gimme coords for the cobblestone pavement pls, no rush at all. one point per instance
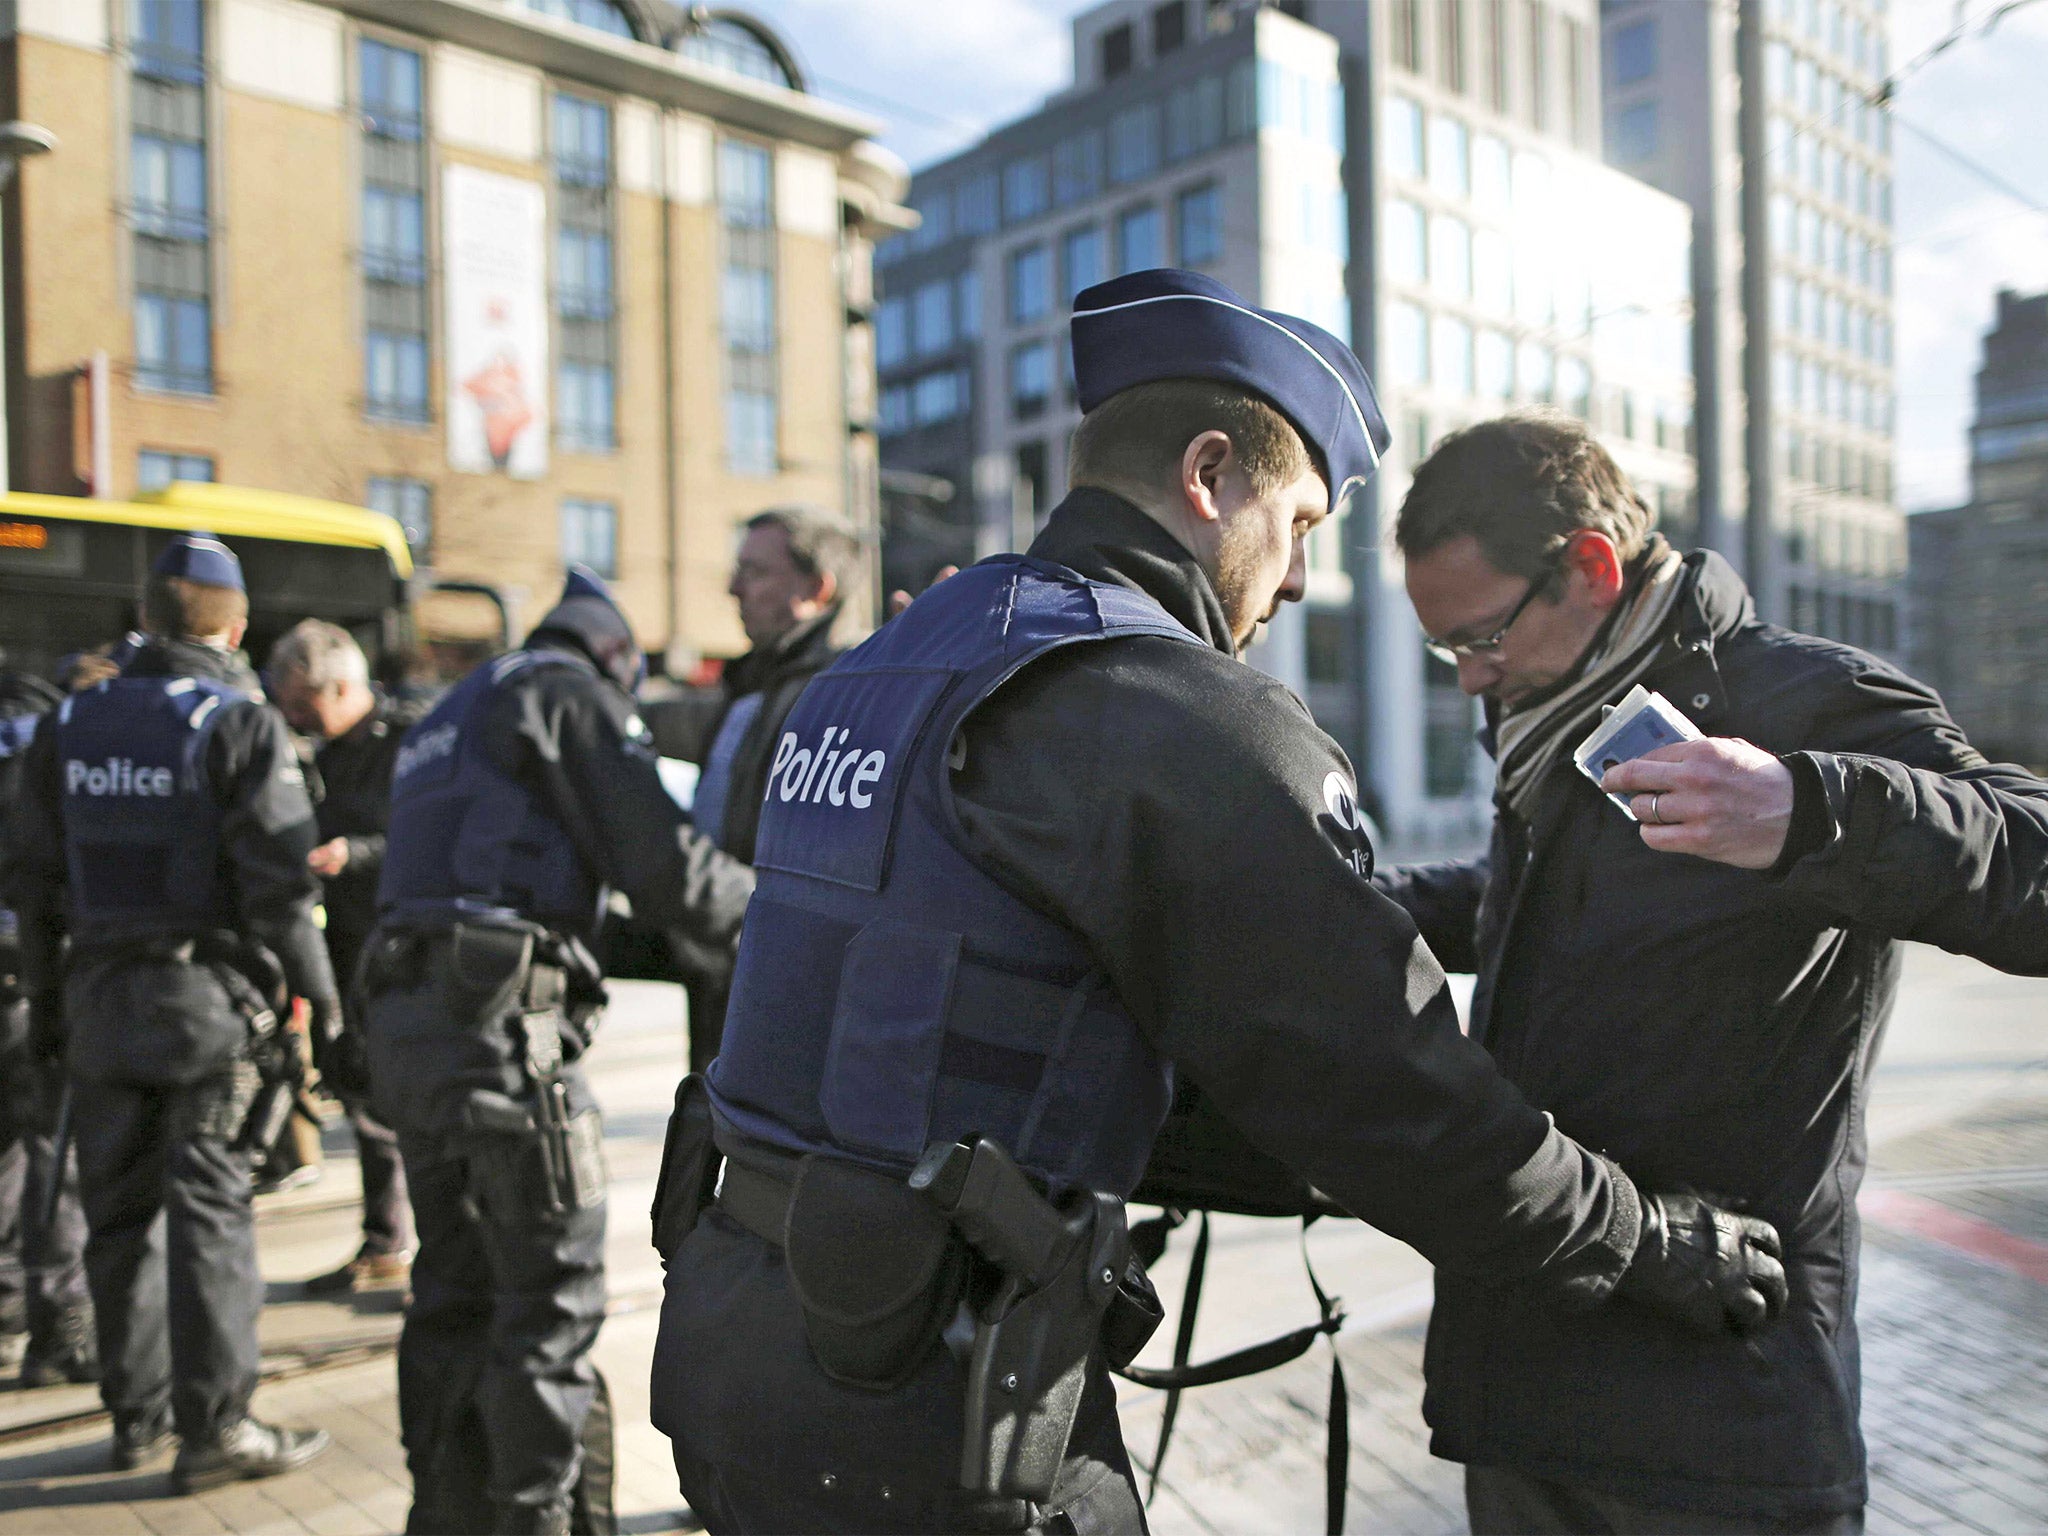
(1954, 1315)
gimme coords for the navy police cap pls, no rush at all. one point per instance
(1169, 324)
(200, 557)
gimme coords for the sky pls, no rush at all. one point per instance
(941, 73)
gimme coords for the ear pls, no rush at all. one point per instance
(826, 589)
(1202, 465)
(1593, 564)
(235, 632)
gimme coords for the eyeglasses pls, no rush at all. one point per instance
(1444, 650)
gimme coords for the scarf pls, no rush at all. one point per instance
(1532, 739)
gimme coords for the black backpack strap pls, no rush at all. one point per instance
(1174, 1379)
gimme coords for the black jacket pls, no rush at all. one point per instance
(352, 799)
(1175, 806)
(578, 742)
(267, 828)
(1713, 1029)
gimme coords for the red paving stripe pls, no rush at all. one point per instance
(1921, 1217)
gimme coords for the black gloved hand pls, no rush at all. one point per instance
(338, 1050)
(1715, 1271)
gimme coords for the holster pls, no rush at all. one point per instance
(689, 1168)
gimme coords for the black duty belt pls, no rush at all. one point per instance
(756, 1200)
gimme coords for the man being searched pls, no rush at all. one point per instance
(792, 568)
(1039, 844)
(1697, 984)
(44, 1304)
(164, 823)
(526, 792)
(320, 680)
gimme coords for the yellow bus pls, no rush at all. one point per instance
(72, 571)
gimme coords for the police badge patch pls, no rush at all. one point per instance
(1345, 825)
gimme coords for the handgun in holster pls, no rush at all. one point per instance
(268, 1081)
(1059, 1269)
(498, 962)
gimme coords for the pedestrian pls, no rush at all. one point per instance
(44, 1304)
(164, 825)
(788, 578)
(1038, 845)
(517, 801)
(1700, 990)
(319, 679)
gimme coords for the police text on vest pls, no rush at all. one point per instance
(117, 776)
(827, 772)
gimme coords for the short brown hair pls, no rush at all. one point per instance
(1137, 436)
(181, 609)
(1522, 485)
(821, 542)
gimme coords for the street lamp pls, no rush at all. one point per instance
(18, 141)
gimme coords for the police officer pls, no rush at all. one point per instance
(319, 679)
(165, 824)
(44, 1242)
(526, 792)
(1038, 844)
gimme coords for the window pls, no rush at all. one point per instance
(155, 469)
(586, 414)
(1405, 237)
(939, 396)
(1024, 189)
(1030, 284)
(1635, 51)
(590, 536)
(1116, 51)
(976, 205)
(1403, 126)
(410, 503)
(1137, 239)
(1574, 385)
(1536, 368)
(1494, 365)
(893, 414)
(936, 210)
(1492, 182)
(1169, 28)
(1326, 646)
(1194, 118)
(1081, 263)
(1077, 167)
(967, 303)
(1030, 380)
(734, 47)
(395, 375)
(746, 208)
(1199, 213)
(1450, 355)
(1447, 730)
(1451, 57)
(892, 333)
(1574, 92)
(1407, 344)
(1404, 34)
(1030, 480)
(1450, 256)
(1134, 143)
(1450, 166)
(1492, 272)
(933, 306)
(168, 210)
(1635, 132)
(1537, 55)
(604, 15)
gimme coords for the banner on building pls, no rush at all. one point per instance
(494, 252)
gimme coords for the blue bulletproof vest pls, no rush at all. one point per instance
(141, 827)
(890, 993)
(463, 832)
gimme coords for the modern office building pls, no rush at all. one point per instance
(550, 280)
(1979, 573)
(1419, 178)
(1761, 114)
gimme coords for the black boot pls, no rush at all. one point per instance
(137, 1442)
(63, 1349)
(247, 1448)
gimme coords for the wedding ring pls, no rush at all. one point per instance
(1656, 814)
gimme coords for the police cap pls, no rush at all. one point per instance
(201, 558)
(1168, 324)
(588, 613)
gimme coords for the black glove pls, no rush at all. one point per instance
(338, 1050)
(1715, 1271)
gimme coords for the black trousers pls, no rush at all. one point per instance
(387, 1207)
(1501, 1501)
(171, 1256)
(494, 1367)
(42, 1264)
